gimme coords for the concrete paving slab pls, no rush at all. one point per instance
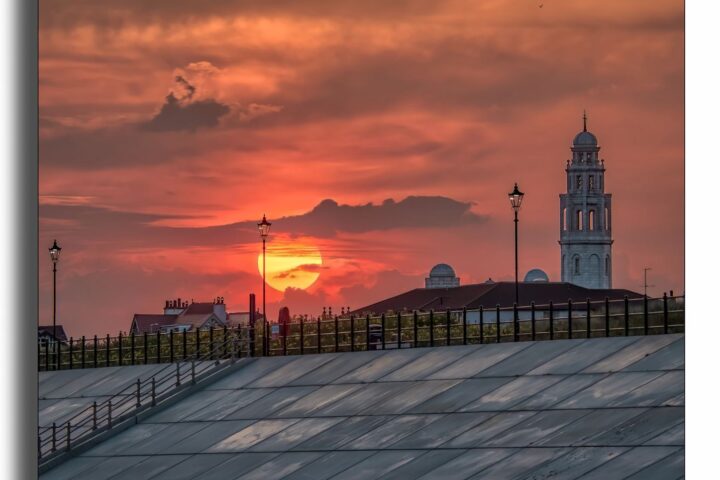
(522, 463)
(671, 467)
(109, 467)
(193, 467)
(629, 463)
(535, 428)
(295, 434)
(481, 359)
(468, 463)
(344, 432)
(655, 392)
(422, 464)
(335, 368)
(165, 438)
(73, 469)
(149, 468)
(641, 428)
(632, 353)
(378, 465)
(385, 362)
(187, 406)
(280, 466)
(596, 422)
(361, 400)
(290, 371)
(460, 395)
(229, 402)
(511, 393)
(274, 401)
(583, 355)
(614, 387)
(206, 437)
(530, 358)
(479, 435)
(670, 357)
(316, 400)
(125, 439)
(251, 435)
(574, 464)
(561, 390)
(250, 372)
(392, 431)
(411, 395)
(442, 430)
(434, 359)
(329, 465)
(671, 436)
(238, 464)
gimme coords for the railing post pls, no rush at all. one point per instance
(569, 328)
(171, 339)
(665, 312)
(54, 437)
(225, 341)
(57, 348)
(158, 342)
(382, 330)
(319, 337)
(69, 432)
(197, 343)
(352, 333)
(481, 314)
(302, 336)
(646, 323)
(95, 345)
(367, 332)
(120, 354)
(47, 352)
(152, 391)
(184, 343)
(82, 352)
(415, 328)
(109, 409)
(337, 340)
(137, 393)
(464, 325)
(607, 317)
(70, 354)
(132, 348)
(284, 336)
(192, 371)
(497, 323)
(107, 350)
(399, 330)
(627, 316)
(516, 323)
(532, 320)
(177, 374)
(588, 319)
(552, 321)
(212, 344)
(447, 326)
(94, 427)
(432, 328)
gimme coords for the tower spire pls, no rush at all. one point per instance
(584, 121)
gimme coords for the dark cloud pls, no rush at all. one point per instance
(176, 116)
(135, 230)
(292, 273)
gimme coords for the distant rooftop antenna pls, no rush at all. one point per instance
(645, 284)
(584, 121)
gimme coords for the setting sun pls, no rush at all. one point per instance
(291, 265)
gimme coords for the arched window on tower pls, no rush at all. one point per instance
(591, 182)
(591, 220)
(607, 219)
(579, 220)
(607, 265)
(564, 219)
(576, 265)
(578, 182)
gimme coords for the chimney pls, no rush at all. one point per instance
(671, 293)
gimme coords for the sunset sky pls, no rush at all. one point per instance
(379, 138)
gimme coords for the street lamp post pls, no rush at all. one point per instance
(516, 198)
(264, 227)
(55, 257)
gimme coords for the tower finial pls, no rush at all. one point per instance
(584, 121)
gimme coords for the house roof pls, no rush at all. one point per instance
(145, 322)
(490, 295)
(47, 330)
(199, 308)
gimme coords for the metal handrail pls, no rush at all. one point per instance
(132, 397)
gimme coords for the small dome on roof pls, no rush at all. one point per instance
(442, 270)
(536, 275)
(585, 139)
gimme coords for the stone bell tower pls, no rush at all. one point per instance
(586, 216)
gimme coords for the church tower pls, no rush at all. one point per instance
(585, 217)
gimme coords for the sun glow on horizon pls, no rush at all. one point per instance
(291, 265)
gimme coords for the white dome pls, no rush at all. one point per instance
(536, 275)
(442, 270)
